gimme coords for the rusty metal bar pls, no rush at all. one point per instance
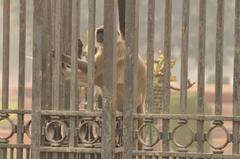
(57, 80)
(183, 154)
(27, 153)
(91, 52)
(67, 50)
(37, 77)
(184, 59)
(219, 57)
(6, 45)
(236, 80)
(58, 61)
(75, 113)
(74, 53)
(57, 74)
(166, 83)
(15, 146)
(150, 60)
(52, 45)
(74, 56)
(46, 57)
(186, 117)
(91, 55)
(150, 53)
(21, 76)
(184, 55)
(11, 153)
(109, 80)
(5, 64)
(201, 72)
(131, 36)
(15, 111)
(76, 149)
(46, 63)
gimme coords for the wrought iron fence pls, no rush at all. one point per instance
(60, 129)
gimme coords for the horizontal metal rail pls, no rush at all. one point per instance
(15, 111)
(75, 113)
(180, 154)
(75, 149)
(187, 117)
(15, 145)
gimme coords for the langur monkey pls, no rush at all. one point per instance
(140, 94)
(98, 76)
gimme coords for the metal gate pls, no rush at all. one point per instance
(60, 129)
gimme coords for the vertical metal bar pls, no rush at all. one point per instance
(184, 55)
(74, 56)
(53, 23)
(201, 73)
(236, 79)
(5, 62)
(11, 153)
(219, 57)
(37, 78)
(46, 63)
(150, 53)
(21, 76)
(5, 66)
(49, 57)
(131, 56)
(91, 52)
(68, 50)
(58, 63)
(80, 47)
(64, 50)
(150, 59)
(46, 57)
(184, 58)
(166, 81)
(27, 153)
(109, 80)
(52, 60)
(121, 14)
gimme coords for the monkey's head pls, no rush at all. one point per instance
(99, 35)
(99, 41)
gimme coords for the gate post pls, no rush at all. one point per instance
(109, 79)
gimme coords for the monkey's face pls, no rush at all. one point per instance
(99, 35)
(98, 42)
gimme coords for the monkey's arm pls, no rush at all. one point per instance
(82, 65)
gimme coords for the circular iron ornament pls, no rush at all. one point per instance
(28, 130)
(12, 127)
(50, 131)
(174, 136)
(224, 130)
(86, 128)
(142, 140)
